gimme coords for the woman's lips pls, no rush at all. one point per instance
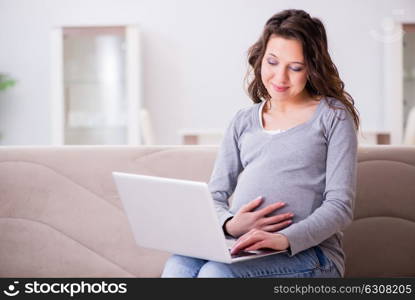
(279, 88)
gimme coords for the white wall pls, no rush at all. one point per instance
(194, 56)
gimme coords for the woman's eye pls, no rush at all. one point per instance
(272, 62)
(296, 69)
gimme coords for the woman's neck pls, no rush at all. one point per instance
(288, 105)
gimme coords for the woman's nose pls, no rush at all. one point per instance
(281, 75)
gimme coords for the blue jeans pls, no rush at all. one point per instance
(308, 263)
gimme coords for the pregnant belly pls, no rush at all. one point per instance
(299, 198)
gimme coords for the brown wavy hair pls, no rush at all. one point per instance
(323, 78)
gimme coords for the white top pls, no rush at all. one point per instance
(262, 126)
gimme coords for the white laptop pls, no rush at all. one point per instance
(177, 216)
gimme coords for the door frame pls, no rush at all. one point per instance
(393, 80)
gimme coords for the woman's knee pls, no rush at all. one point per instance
(215, 270)
(182, 266)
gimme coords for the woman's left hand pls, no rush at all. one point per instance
(256, 239)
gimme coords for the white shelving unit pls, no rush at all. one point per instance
(96, 85)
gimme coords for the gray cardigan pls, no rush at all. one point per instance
(311, 167)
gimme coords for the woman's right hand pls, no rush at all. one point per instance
(246, 219)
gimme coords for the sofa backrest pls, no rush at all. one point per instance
(60, 215)
(380, 242)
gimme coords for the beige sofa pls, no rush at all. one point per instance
(61, 216)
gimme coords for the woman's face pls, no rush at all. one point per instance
(283, 69)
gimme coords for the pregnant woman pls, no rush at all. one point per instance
(289, 160)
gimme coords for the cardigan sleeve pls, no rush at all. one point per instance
(336, 210)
